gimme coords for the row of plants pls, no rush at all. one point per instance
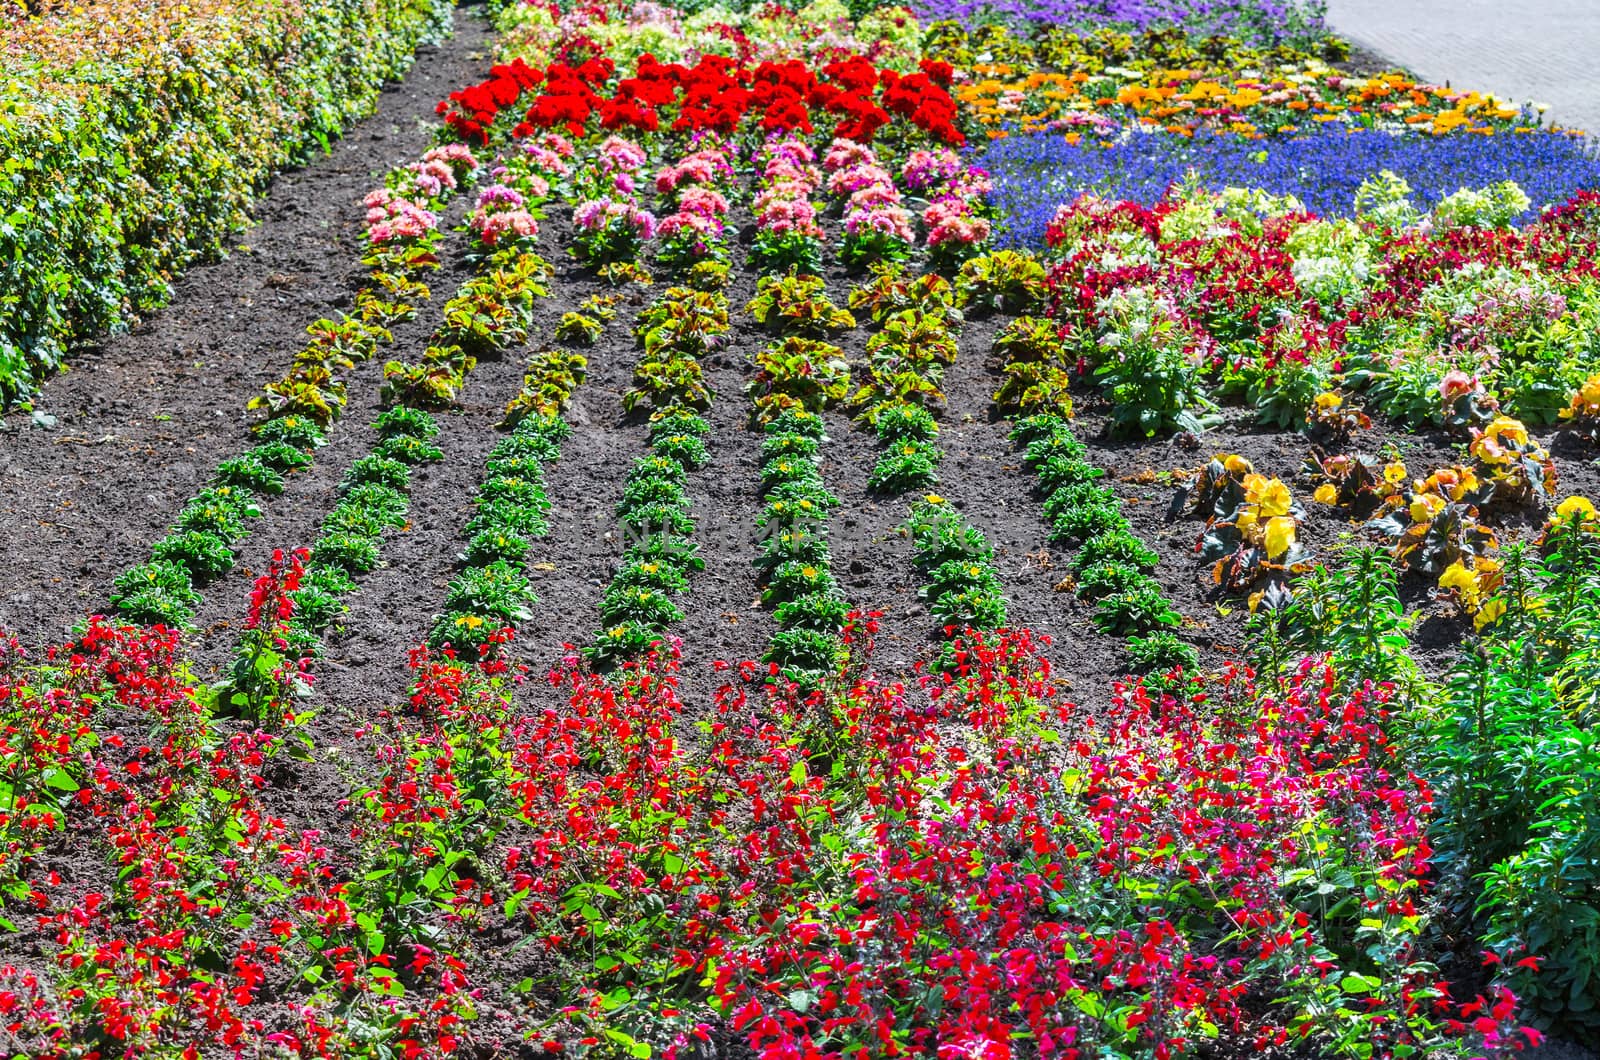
(136, 136)
(654, 518)
(403, 242)
(491, 591)
(916, 324)
(270, 676)
(493, 310)
(1111, 565)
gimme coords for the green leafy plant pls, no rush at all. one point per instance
(203, 554)
(155, 592)
(907, 465)
(248, 472)
(1140, 610)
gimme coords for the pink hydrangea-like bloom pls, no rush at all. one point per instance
(594, 214)
(847, 182)
(975, 183)
(795, 152)
(391, 217)
(786, 215)
(703, 201)
(873, 195)
(432, 178)
(499, 195)
(538, 187)
(458, 157)
(892, 221)
(700, 168)
(546, 160)
(590, 214)
(702, 226)
(493, 228)
(800, 210)
(552, 141)
(644, 224)
(844, 154)
(951, 222)
(780, 169)
(927, 169)
(781, 192)
(501, 215)
(617, 154)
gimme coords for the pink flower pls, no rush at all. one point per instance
(1457, 383)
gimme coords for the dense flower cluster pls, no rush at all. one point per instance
(1296, 101)
(1269, 22)
(714, 95)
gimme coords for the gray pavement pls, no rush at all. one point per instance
(1545, 51)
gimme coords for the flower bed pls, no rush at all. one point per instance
(1129, 644)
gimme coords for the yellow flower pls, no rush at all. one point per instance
(1237, 465)
(1464, 582)
(1394, 473)
(1273, 498)
(1574, 508)
(1328, 400)
(933, 498)
(1501, 434)
(1488, 613)
(1327, 493)
(1424, 506)
(1279, 536)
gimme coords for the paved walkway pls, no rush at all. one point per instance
(1542, 51)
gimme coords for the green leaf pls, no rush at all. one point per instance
(60, 780)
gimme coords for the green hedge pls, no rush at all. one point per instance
(134, 134)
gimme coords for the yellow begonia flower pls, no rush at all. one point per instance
(1464, 582)
(1508, 430)
(1237, 465)
(1274, 499)
(1328, 400)
(1424, 506)
(1279, 536)
(1327, 493)
(1464, 485)
(1394, 473)
(1574, 507)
